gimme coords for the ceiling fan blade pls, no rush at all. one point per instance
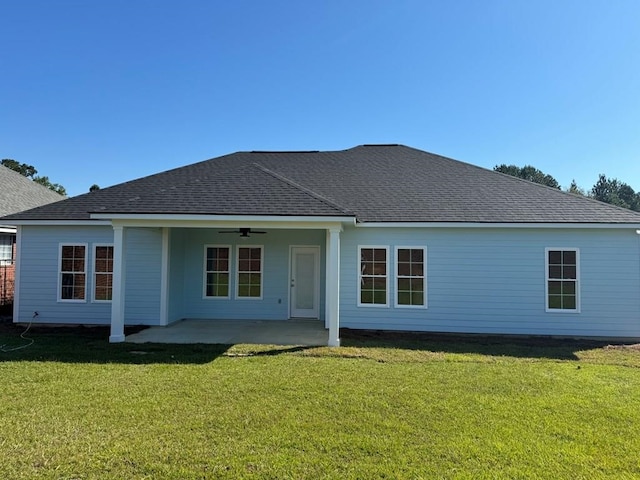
(233, 231)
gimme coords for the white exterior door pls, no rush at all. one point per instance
(305, 282)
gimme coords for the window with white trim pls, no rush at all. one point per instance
(410, 277)
(563, 289)
(373, 285)
(6, 249)
(103, 273)
(249, 272)
(73, 272)
(217, 260)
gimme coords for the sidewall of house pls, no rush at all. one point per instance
(39, 275)
(493, 281)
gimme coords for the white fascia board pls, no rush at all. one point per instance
(495, 225)
(228, 221)
(61, 222)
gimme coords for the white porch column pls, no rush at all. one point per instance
(332, 291)
(117, 301)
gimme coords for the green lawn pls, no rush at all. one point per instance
(74, 407)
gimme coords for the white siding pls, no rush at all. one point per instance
(493, 281)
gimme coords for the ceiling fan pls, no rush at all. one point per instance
(244, 232)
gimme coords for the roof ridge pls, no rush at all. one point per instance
(304, 189)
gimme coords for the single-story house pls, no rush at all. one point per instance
(17, 193)
(373, 237)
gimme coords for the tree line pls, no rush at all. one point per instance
(607, 190)
(29, 171)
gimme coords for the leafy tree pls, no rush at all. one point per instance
(615, 192)
(575, 189)
(45, 182)
(22, 168)
(528, 173)
(94, 187)
(29, 171)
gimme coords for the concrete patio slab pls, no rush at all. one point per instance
(229, 332)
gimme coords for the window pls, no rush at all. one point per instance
(373, 286)
(249, 279)
(410, 277)
(6, 249)
(73, 272)
(103, 273)
(563, 293)
(216, 271)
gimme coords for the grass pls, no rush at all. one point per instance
(383, 406)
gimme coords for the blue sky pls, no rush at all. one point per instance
(104, 91)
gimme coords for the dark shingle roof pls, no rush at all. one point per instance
(377, 183)
(18, 193)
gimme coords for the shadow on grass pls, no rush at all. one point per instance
(495, 345)
(79, 344)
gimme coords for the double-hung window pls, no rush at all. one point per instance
(217, 263)
(73, 273)
(563, 279)
(6, 249)
(103, 273)
(373, 285)
(249, 272)
(411, 286)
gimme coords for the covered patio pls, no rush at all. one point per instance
(229, 332)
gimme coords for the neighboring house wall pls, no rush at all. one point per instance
(493, 281)
(7, 267)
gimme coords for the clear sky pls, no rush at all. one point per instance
(104, 91)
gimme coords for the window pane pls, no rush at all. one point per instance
(569, 257)
(379, 268)
(366, 296)
(417, 270)
(379, 254)
(404, 284)
(555, 288)
(555, 257)
(243, 253)
(366, 268)
(254, 291)
(243, 290)
(404, 255)
(417, 255)
(417, 284)
(366, 255)
(555, 271)
(569, 302)
(243, 265)
(569, 272)
(568, 288)
(380, 283)
(404, 298)
(255, 265)
(379, 298)
(404, 269)
(555, 301)
(417, 298)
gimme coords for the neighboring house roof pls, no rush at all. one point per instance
(18, 193)
(373, 183)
